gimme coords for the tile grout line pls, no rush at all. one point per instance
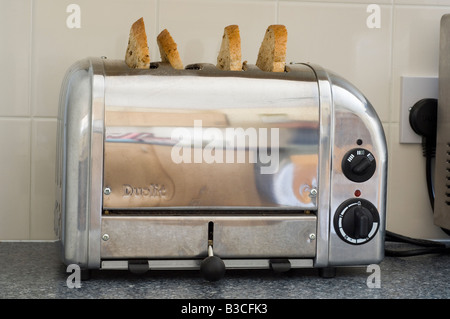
(30, 108)
(391, 68)
(157, 8)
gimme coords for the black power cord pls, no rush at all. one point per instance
(423, 120)
(426, 246)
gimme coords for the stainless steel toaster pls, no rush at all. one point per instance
(209, 170)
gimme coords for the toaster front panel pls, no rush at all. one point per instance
(193, 141)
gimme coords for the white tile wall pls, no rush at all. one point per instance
(197, 26)
(416, 45)
(36, 48)
(43, 152)
(15, 143)
(336, 36)
(104, 29)
(15, 54)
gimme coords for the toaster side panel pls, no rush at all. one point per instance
(79, 155)
(74, 142)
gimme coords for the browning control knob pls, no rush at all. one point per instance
(358, 165)
(356, 221)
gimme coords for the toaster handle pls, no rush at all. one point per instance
(212, 267)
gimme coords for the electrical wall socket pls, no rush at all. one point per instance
(414, 89)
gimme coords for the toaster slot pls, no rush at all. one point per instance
(226, 211)
(154, 65)
(201, 67)
(194, 66)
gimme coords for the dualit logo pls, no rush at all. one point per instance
(229, 145)
(152, 190)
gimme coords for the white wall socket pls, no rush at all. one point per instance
(414, 89)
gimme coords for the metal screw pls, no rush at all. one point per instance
(105, 237)
(312, 236)
(313, 192)
(107, 191)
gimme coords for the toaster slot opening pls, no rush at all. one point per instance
(183, 211)
(194, 66)
(201, 67)
(210, 233)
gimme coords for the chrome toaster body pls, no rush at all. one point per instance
(158, 165)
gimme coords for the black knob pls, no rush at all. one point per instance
(361, 166)
(358, 165)
(356, 221)
(212, 268)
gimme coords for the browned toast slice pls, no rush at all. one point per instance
(229, 57)
(168, 50)
(137, 55)
(272, 53)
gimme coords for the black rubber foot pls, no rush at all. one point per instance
(85, 274)
(138, 266)
(328, 272)
(280, 265)
(212, 268)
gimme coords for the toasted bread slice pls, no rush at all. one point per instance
(229, 57)
(137, 55)
(272, 53)
(168, 50)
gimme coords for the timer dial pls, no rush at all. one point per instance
(356, 221)
(358, 165)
